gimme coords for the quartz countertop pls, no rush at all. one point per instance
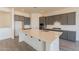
(47, 36)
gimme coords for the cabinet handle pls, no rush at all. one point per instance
(39, 40)
(26, 34)
(31, 37)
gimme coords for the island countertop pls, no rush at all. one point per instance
(47, 36)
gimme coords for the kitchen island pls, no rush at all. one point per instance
(41, 40)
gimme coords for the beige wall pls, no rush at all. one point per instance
(5, 19)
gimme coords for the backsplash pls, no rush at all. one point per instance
(27, 26)
(63, 27)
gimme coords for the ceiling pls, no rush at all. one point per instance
(39, 9)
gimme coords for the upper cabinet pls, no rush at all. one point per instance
(26, 20)
(57, 18)
(18, 18)
(68, 18)
(72, 18)
(50, 20)
(21, 18)
(63, 19)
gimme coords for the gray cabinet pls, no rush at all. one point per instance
(68, 18)
(64, 35)
(50, 20)
(71, 18)
(72, 35)
(18, 18)
(26, 20)
(57, 18)
(21, 18)
(64, 19)
(68, 35)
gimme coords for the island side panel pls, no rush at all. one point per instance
(21, 36)
(36, 43)
(53, 46)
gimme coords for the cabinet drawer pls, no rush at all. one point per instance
(37, 44)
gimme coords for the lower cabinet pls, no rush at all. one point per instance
(68, 35)
(72, 35)
(37, 44)
(33, 42)
(64, 35)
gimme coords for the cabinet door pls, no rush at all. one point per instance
(33, 42)
(72, 35)
(71, 18)
(37, 44)
(47, 20)
(21, 18)
(16, 17)
(57, 18)
(26, 21)
(64, 20)
(50, 20)
(64, 35)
